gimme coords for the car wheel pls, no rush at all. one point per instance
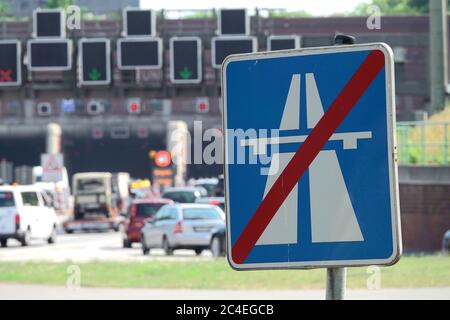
(4, 243)
(166, 247)
(26, 238)
(126, 243)
(145, 249)
(216, 247)
(52, 238)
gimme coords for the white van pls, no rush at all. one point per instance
(26, 214)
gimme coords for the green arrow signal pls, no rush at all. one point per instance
(185, 73)
(94, 74)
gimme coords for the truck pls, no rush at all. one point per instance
(100, 199)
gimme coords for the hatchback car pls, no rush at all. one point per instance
(26, 214)
(140, 210)
(218, 201)
(182, 226)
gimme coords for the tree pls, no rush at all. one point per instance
(55, 4)
(289, 14)
(4, 8)
(394, 7)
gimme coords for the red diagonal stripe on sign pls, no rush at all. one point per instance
(306, 153)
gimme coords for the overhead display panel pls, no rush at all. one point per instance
(276, 43)
(222, 47)
(138, 22)
(185, 60)
(49, 23)
(139, 53)
(94, 62)
(233, 22)
(10, 64)
(49, 55)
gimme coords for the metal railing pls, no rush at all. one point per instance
(423, 142)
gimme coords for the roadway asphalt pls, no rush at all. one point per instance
(25, 292)
(83, 247)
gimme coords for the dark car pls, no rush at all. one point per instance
(219, 190)
(218, 245)
(446, 242)
(184, 194)
(140, 211)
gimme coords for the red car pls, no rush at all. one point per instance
(140, 210)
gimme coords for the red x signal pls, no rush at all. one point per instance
(5, 75)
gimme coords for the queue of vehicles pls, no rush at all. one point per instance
(190, 217)
(186, 218)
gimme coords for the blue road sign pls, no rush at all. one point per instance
(310, 158)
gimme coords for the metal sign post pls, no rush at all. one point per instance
(308, 207)
(336, 283)
(337, 277)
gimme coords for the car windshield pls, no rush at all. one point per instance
(180, 196)
(6, 199)
(93, 185)
(201, 214)
(145, 210)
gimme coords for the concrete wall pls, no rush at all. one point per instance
(424, 206)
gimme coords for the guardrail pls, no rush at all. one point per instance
(423, 142)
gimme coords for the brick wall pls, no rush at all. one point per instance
(425, 214)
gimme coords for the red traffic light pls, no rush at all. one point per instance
(163, 159)
(134, 107)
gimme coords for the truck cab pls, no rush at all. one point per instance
(93, 195)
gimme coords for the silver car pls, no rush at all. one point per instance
(182, 226)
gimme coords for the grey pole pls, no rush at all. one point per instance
(337, 277)
(53, 138)
(438, 54)
(336, 283)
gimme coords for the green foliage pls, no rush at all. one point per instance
(4, 8)
(203, 14)
(410, 272)
(289, 14)
(55, 4)
(393, 7)
(426, 143)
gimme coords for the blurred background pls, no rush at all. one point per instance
(103, 105)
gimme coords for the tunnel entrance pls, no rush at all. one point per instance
(111, 155)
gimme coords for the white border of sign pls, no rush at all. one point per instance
(199, 60)
(391, 146)
(18, 82)
(69, 55)
(63, 23)
(147, 39)
(296, 38)
(82, 82)
(230, 38)
(125, 21)
(219, 22)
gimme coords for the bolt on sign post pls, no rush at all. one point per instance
(185, 60)
(94, 65)
(10, 65)
(321, 188)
